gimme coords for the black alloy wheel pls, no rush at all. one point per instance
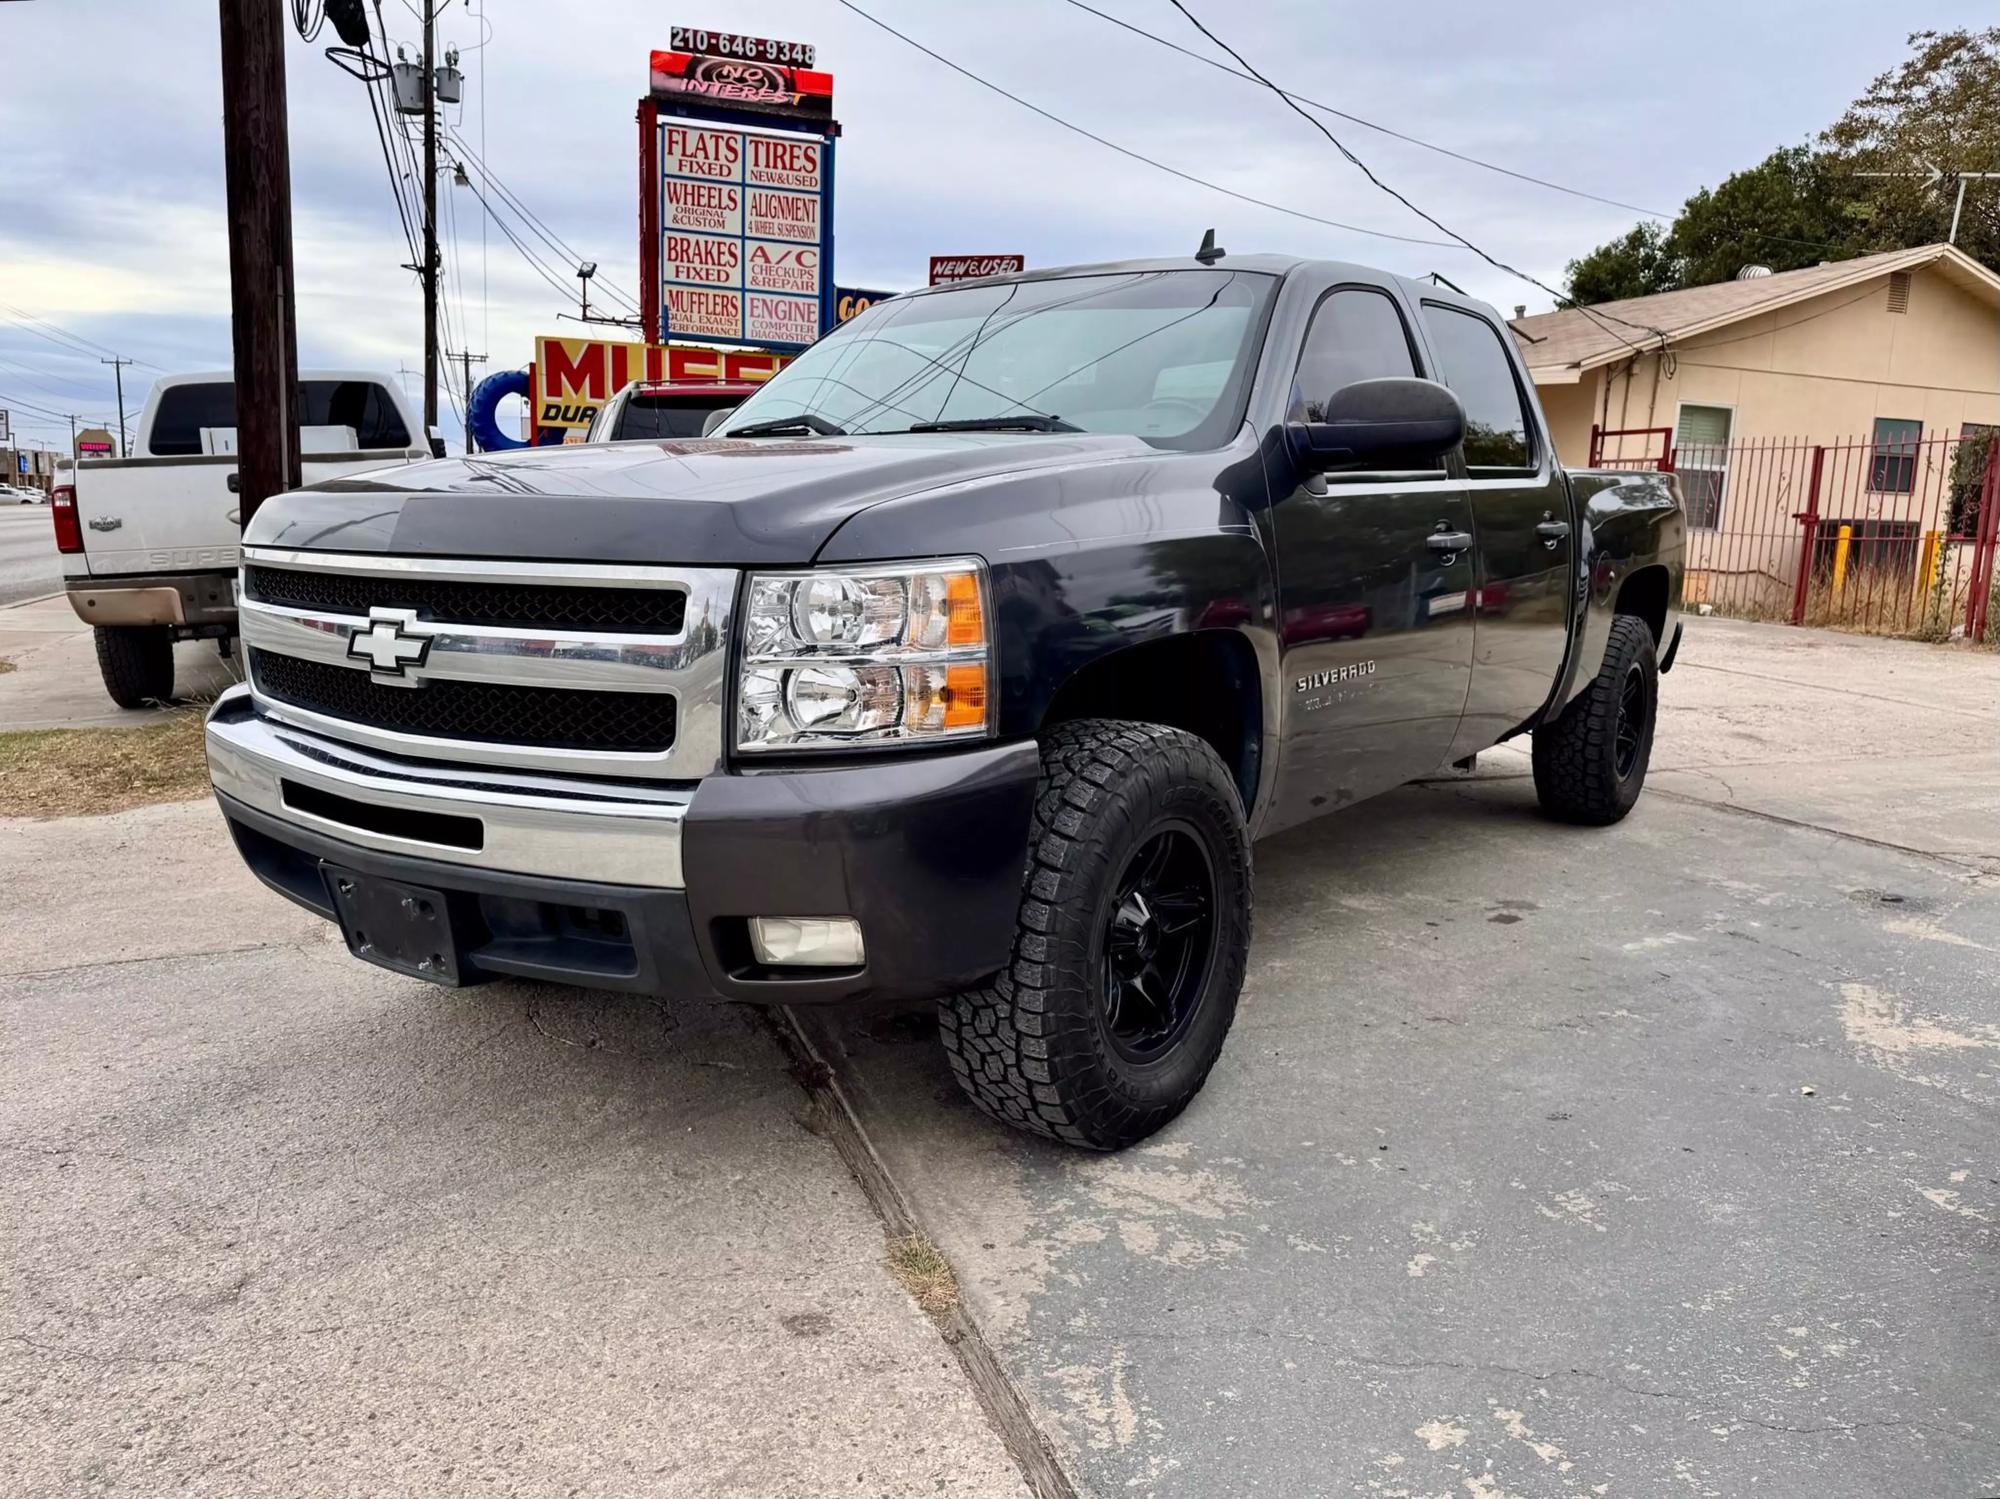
(1129, 953)
(1633, 722)
(1159, 943)
(1590, 760)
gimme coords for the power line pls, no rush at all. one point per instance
(76, 343)
(1128, 152)
(1363, 168)
(520, 249)
(1352, 119)
(556, 244)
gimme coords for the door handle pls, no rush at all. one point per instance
(1449, 541)
(1552, 531)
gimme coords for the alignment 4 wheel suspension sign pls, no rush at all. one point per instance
(736, 212)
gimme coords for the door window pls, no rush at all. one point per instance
(1701, 457)
(1474, 363)
(1356, 334)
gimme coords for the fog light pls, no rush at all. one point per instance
(806, 941)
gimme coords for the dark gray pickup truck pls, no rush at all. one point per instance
(965, 664)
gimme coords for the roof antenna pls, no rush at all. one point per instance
(1210, 251)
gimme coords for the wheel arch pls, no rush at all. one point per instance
(1206, 683)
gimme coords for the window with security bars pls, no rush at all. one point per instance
(1892, 456)
(1701, 458)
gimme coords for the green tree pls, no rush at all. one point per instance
(1789, 211)
(1939, 108)
(1635, 265)
(1804, 204)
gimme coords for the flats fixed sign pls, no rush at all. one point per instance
(737, 242)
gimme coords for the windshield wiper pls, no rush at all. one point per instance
(780, 426)
(1034, 422)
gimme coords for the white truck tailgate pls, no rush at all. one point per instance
(167, 515)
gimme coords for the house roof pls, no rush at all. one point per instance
(1569, 342)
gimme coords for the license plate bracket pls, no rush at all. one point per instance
(405, 928)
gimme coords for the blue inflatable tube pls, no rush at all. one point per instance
(485, 404)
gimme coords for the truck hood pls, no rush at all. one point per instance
(706, 501)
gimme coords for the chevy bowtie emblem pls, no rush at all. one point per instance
(387, 644)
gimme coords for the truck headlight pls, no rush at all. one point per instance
(842, 657)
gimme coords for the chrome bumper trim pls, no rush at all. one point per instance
(530, 824)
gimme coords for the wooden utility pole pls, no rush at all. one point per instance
(430, 219)
(257, 162)
(118, 374)
(468, 360)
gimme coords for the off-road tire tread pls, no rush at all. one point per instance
(1575, 754)
(1021, 1046)
(137, 663)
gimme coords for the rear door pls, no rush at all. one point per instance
(1375, 636)
(1521, 517)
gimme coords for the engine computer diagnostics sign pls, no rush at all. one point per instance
(743, 232)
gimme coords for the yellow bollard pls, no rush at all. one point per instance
(1928, 566)
(1840, 549)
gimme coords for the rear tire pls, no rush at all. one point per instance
(1133, 934)
(137, 663)
(1590, 763)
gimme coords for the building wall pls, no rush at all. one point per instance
(1815, 372)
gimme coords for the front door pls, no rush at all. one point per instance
(1521, 517)
(1375, 575)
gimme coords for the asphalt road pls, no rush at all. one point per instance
(29, 565)
(1542, 1162)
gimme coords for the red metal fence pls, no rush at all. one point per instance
(1887, 537)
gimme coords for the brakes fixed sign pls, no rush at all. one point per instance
(743, 229)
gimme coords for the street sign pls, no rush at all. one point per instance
(947, 268)
(747, 48)
(689, 78)
(852, 301)
(744, 228)
(93, 442)
(6, 429)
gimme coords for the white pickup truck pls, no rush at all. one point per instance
(150, 542)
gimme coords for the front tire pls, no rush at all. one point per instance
(137, 664)
(1133, 934)
(1590, 762)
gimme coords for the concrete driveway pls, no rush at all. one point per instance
(1654, 1160)
(1644, 1161)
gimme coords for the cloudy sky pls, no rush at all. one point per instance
(112, 230)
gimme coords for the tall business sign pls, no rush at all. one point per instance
(736, 217)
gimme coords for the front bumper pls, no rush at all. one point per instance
(649, 886)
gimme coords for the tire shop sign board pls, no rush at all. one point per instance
(745, 229)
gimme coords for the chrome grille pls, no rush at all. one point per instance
(566, 667)
(492, 712)
(544, 606)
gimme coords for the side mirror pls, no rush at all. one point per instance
(1394, 423)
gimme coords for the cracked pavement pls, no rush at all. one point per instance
(280, 1222)
(1546, 1161)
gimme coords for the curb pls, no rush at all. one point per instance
(1006, 1408)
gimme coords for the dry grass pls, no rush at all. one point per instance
(5, 666)
(82, 772)
(921, 1269)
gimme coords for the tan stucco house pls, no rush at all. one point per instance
(1813, 415)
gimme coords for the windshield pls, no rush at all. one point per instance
(1162, 355)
